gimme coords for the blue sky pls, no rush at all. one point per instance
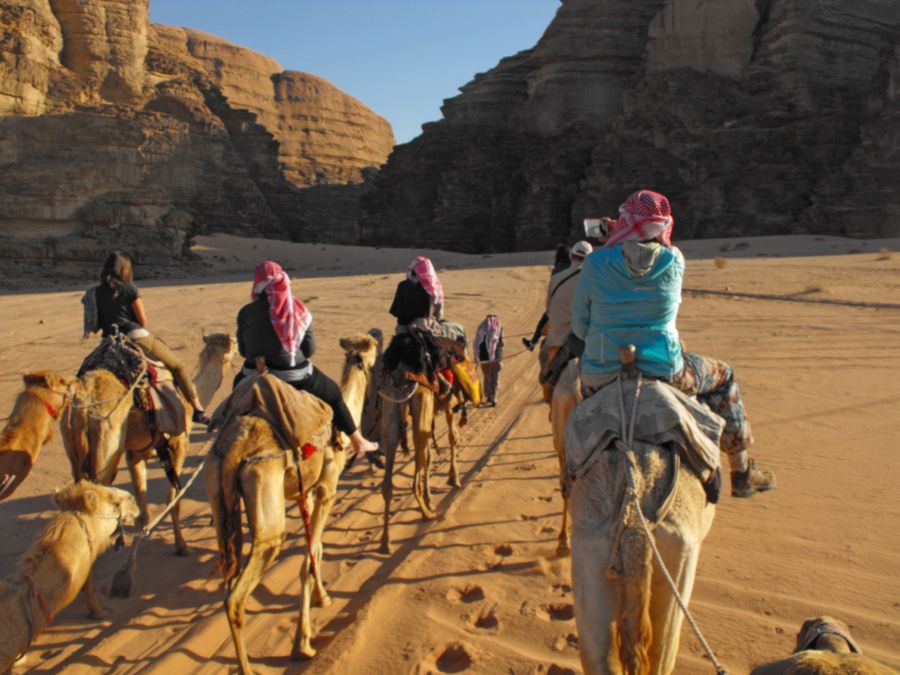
(401, 58)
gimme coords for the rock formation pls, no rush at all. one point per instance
(753, 116)
(115, 133)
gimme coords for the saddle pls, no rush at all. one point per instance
(153, 392)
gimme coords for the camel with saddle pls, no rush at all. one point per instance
(275, 444)
(641, 466)
(565, 396)
(411, 388)
(58, 563)
(825, 647)
(30, 426)
(104, 423)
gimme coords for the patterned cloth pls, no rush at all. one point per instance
(713, 383)
(290, 317)
(489, 332)
(91, 312)
(645, 215)
(422, 270)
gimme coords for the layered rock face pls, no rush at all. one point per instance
(115, 133)
(752, 116)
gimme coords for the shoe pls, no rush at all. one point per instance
(200, 417)
(747, 483)
(529, 345)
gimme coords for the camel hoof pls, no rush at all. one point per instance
(303, 653)
(185, 551)
(429, 515)
(324, 601)
(385, 547)
(562, 551)
(99, 615)
(122, 583)
(454, 482)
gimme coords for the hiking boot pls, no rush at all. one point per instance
(747, 483)
(200, 417)
(529, 345)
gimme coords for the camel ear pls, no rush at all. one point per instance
(38, 378)
(91, 501)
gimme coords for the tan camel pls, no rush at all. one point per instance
(566, 395)
(825, 647)
(423, 406)
(30, 425)
(248, 461)
(58, 563)
(103, 425)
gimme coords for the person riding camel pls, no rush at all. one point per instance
(117, 301)
(560, 293)
(278, 327)
(628, 293)
(419, 299)
(561, 262)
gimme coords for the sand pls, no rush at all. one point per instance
(810, 325)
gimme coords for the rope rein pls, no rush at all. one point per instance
(629, 475)
(402, 400)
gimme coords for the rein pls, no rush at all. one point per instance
(402, 400)
(117, 399)
(67, 399)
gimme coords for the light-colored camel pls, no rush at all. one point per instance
(248, 461)
(566, 395)
(58, 562)
(30, 425)
(103, 425)
(628, 619)
(824, 651)
(423, 406)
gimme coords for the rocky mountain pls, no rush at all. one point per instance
(117, 133)
(753, 116)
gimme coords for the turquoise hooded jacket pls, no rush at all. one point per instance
(611, 308)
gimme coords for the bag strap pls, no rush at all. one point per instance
(556, 288)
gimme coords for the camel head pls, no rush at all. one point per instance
(361, 349)
(54, 390)
(96, 500)
(826, 634)
(220, 346)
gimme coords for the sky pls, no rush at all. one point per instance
(401, 58)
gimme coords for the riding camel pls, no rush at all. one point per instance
(251, 461)
(423, 405)
(30, 426)
(566, 395)
(58, 563)
(628, 618)
(825, 647)
(103, 425)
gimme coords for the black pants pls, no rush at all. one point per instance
(322, 387)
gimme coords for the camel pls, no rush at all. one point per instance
(248, 460)
(58, 563)
(103, 425)
(30, 426)
(566, 395)
(825, 647)
(423, 405)
(628, 619)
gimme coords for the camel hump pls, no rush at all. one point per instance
(629, 367)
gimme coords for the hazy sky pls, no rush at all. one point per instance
(401, 58)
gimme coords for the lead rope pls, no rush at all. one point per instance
(629, 475)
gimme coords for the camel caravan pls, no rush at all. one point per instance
(638, 428)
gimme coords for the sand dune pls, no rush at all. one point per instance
(812, 336)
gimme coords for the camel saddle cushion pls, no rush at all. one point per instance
(119, 356)
(168, 408)
(422, 354)
(297, 416)
(664, 415)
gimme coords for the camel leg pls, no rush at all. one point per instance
(178, 456)
(595, 602)
(562, 548)
(453, 435)
(264, 499)
(325, 499)
(422, 410)
(95, 611)
(392, 416)
(138, 469)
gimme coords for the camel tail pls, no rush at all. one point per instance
(634, 631)
(223, 486)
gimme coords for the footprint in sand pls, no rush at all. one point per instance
(560, 612)
(562, 588)
(504, 550)
(564, 641)
(545, 499)
(466, 594)
(454, 659)
(559, 670)
(487, 619)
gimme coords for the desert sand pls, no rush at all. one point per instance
(810, 325)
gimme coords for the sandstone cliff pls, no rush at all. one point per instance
(115, 133)
(753, 116)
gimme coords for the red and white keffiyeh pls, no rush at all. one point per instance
(422, 269)
(645, 215)
(489, 332)
(290, 317)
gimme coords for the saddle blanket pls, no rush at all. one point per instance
(664, 415)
